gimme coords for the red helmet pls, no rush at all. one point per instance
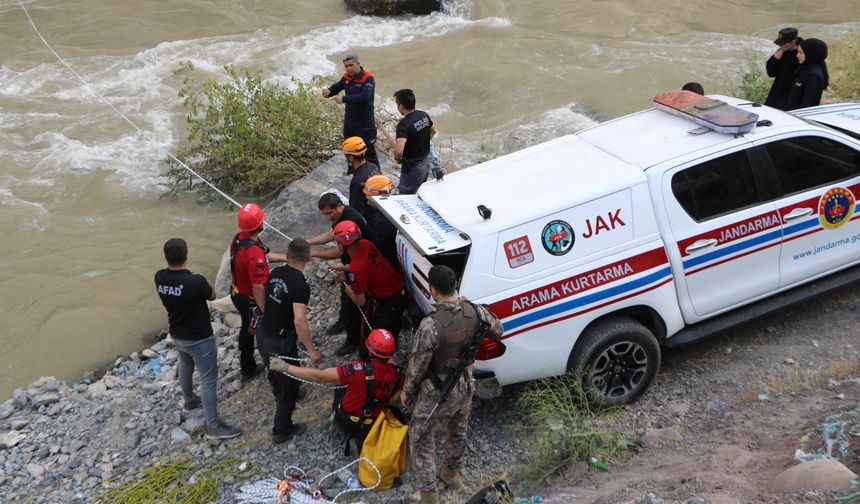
(346, 233)
(250, 217)
(380, 343)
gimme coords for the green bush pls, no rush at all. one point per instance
(564, 428)
(754, 83)
(251, 137)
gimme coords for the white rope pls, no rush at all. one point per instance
(266, 491)
(92, 91)
(315, 384)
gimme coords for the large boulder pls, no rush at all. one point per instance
(295, 211)
(822, 474)
(394, 7)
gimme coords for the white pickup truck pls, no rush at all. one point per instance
(597, 248)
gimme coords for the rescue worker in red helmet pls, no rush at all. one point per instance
(377, 378)
(249, 267)
(371, 281)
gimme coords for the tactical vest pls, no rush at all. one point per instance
(235, 246)
(455, 330)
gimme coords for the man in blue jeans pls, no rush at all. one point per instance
(184, 295)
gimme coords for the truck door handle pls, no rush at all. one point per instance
(700, 244)
(797, 213)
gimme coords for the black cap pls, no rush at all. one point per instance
(785, 36)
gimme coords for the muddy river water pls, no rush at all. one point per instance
(80, 212)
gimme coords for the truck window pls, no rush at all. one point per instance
(716, 187)
(804, 163)
(456, 260)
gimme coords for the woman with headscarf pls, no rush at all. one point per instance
(811, 77)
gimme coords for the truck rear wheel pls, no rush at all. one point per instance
(617, 359)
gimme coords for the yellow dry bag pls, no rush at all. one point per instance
(385, 446)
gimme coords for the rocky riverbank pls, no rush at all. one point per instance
(723, 419)
(71, 443)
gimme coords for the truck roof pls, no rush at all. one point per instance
(653, 136)
(570, 170)
(528, 184)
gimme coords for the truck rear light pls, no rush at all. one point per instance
(490, 349)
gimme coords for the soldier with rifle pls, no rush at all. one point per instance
(438, 385)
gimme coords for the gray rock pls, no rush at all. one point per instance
(45, 399)
(180, 436)
(149, 353)
(111, 381)
(151, 388)
(97, 389)
(234, 386)
(12, 438)
(716, 404)
(132, 439)
(6, 409)
(394, 7)
(76, 445)
(43, 452)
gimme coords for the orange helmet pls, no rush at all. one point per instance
(380, 343)
(346, 232)
(378, 185)
(250, 217)
(354, 146)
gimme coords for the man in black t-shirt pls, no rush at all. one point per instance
(282, 325)
(184, 295)
(349, 318)
(412, 146)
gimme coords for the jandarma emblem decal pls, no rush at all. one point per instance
(836, 207)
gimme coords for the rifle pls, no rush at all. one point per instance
(470, 350)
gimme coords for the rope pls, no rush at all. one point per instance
(93, 92)
(294, 377)
(299, 485)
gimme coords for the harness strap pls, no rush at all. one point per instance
(238, 245)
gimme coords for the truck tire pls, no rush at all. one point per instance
(617, 359)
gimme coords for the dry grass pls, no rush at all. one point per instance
(785, 379)
(564, 429)
(843, 64)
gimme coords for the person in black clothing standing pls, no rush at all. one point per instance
(354, 150)
(811, 77)
(412, 146)
(283, 324)
(184, 295)
(781, 66)
(359, 88)
(349, 318)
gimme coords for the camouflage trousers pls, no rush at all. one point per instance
(450, 419)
